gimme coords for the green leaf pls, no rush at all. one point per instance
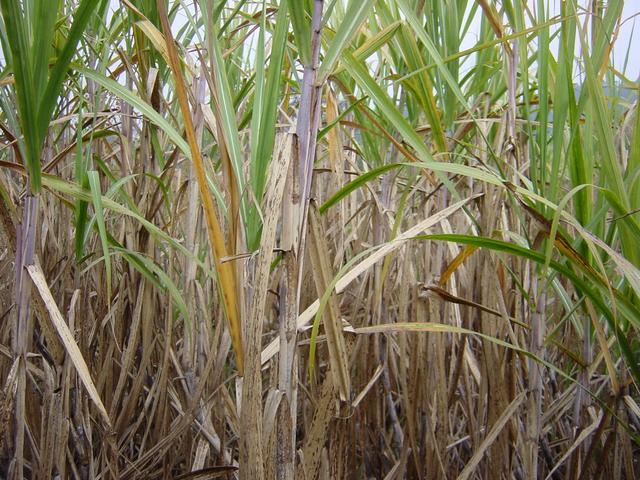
(135, 101)
(301, 23)
(357, 183)
(94, 184)
(593, 288)
(386, 105)
(157, 276)
(355, 15)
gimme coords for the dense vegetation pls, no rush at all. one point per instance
(318, 239)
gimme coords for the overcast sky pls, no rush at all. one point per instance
(628, 38)
(629, 35)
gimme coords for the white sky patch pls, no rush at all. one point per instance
(626, 46)
(624, 56)
(625, 50)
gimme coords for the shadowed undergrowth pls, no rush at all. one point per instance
(318, 239)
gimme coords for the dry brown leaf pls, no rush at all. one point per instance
(226, 271)
(306, 316)
(322, 274)
(67, 339)
(480, 452)
(208, 473)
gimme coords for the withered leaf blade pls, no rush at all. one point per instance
(208, 473)
(67, 339)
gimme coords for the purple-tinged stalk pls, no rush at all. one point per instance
(307, 127)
